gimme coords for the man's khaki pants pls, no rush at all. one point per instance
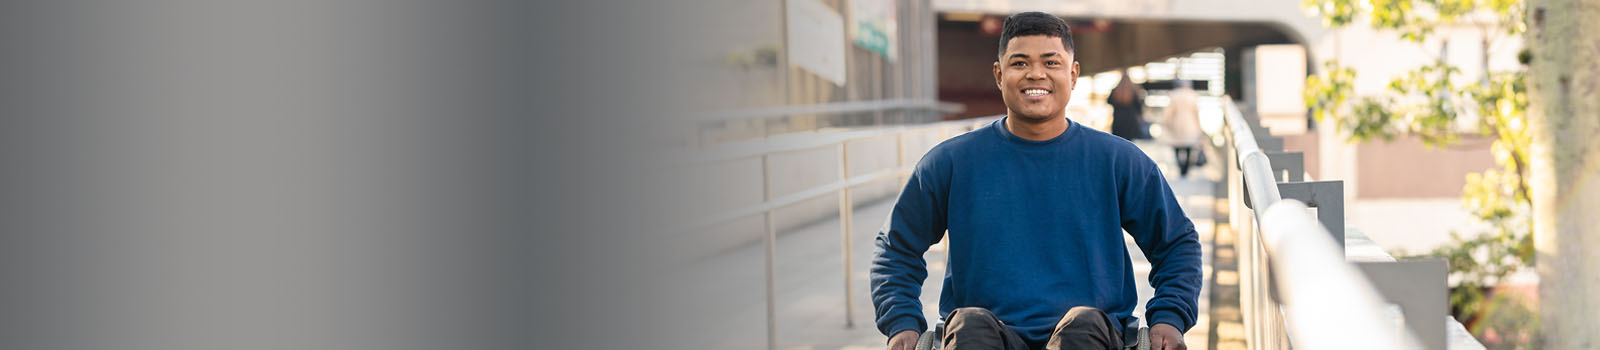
(1083, 327)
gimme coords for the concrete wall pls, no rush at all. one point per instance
(1308, 145)
(1405, 168)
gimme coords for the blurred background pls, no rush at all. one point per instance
(711, 174)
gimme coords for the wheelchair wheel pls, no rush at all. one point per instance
(930, 340)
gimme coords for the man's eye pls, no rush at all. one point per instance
(1052, 63)
(1017, 64)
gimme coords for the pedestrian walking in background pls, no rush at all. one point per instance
(1127, 110)
(1181, 126)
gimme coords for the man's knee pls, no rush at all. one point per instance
(972, 316)
(1084, 327)
(972, 319)
(1085, 311)
(1084, 318)
(974, 327)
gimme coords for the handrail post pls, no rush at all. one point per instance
(772, 253)
(846, 211)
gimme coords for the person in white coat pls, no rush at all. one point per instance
(1182, 126)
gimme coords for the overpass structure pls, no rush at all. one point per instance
(1113, 33)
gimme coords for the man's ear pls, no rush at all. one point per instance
(997, 73)
(1075, 72)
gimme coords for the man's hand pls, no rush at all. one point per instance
(905, 340)
(1163, 337)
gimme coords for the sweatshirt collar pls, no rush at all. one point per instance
(1000, 125)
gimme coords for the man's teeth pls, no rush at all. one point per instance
(1035, 92)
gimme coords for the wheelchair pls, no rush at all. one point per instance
(1137, 340)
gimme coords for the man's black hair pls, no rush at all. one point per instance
(1036, 23)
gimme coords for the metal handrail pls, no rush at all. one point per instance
(797, 197)
(1263, 189)
(842, 143)
(832, 108)
(842, 186)
(1326, 303)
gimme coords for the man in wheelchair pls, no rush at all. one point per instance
(1034, 205)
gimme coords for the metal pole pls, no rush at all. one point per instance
(1263, 309)
(783, 49)
(900, 153)
(1263, 303)
(846, 210)
(877, 88)
(783, 59)
(1247, 286)
(772, 255)
(767, 186)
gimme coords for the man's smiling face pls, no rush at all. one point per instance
(1035, 75)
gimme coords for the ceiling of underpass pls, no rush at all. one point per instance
(967, 49)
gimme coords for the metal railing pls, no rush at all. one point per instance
(763, 117)
(841, 186)
(1297, 290)
(833, 108)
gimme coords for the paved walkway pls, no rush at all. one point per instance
(811, 293)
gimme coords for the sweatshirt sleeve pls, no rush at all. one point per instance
(898, 268)
(1150, 213)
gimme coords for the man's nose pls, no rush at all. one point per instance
(1035, 74)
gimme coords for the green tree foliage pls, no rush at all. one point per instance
(1433, 102)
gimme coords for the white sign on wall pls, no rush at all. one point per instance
(1280, 80)
(873, 26)
(816, 39)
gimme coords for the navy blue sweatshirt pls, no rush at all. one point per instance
(1035, 229)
